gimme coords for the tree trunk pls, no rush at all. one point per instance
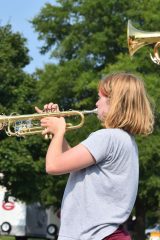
(140, 220)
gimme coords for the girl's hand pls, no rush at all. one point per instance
(50, 107)
(53, 125)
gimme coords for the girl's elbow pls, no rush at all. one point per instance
(50, 166)
(51, 170)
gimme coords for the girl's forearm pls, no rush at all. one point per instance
(57, 146)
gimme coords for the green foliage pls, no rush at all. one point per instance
(68, 85)
(15, 84)
(18, 158)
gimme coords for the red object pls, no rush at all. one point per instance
(119, 234)
(8, 205)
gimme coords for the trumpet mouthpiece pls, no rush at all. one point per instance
(94, 111)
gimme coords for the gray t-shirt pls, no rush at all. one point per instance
(99, 198)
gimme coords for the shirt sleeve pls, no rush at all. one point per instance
(99, 144)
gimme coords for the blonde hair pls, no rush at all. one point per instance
(130, 108)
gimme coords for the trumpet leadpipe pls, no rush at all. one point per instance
(94, 111)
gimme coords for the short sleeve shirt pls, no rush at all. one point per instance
(99, 198)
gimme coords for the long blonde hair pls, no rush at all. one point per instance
(130, 108)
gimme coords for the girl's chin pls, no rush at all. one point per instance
(100, 117)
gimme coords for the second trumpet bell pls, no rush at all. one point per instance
(137, 39)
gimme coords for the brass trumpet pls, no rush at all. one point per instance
(137, 39)
(22, 125)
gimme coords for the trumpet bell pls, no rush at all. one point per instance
(137, 39)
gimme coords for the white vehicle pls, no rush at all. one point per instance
(154, 236)
(153, 229)
(25, 221)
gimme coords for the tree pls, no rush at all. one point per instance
(22, 160)
(15, 84)
(18, 94)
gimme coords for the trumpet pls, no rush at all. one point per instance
(137, 39)
(23, 125)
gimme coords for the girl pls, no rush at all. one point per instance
(103, 182)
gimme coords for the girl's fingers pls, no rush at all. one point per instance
(38, 110)
(45, 131)
(55, 107)
(51, 107)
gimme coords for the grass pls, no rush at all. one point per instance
(6, 238)
(13, 238)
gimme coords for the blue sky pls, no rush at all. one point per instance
(18, 13)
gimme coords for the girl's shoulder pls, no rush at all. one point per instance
(114, 131)
(114, 134)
